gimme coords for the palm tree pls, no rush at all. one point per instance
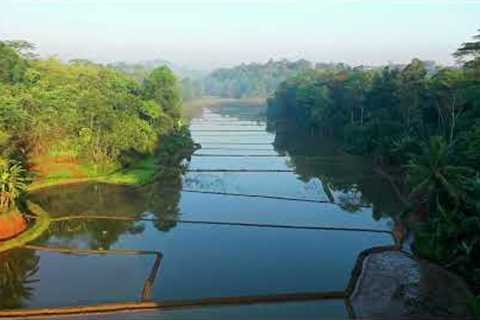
(433, 178)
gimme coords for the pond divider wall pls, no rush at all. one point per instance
(247, 195)
(358, 267)
(240, 224)
(41, 222)
(173, 304)
(357, 272)
(149, 281)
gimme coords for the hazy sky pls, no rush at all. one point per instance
(206, 34)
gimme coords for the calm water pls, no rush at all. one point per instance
(321, 188)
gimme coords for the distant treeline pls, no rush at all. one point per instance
(239, 82)
(251, 80)
(242, 81)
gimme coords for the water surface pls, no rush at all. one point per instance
(221, 229)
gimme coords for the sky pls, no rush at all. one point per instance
(206, 34)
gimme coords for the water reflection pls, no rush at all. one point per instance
(92, 204)
(205, 260)
(18, 269)
(351, 180)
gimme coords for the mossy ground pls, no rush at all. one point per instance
(53, 172)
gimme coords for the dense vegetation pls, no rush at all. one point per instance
(242, 81)
(422, 119)
(80, 113)
(191, 80)
(251, 80)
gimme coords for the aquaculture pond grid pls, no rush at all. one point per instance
(145, 299)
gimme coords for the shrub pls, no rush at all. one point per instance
(12, 184)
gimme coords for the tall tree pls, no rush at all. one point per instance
(161, 86)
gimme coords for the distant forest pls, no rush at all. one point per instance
(242, 81)
(252, 80)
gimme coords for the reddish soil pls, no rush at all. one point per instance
(11, 224)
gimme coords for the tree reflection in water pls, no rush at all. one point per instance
(112, 203)
(351, 180)
(17, 272)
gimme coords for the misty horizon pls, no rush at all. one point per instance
(204, 35)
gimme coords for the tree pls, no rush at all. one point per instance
(252, 80)
(22, 47)
(449, 89)
(12, 66)
(411, 92)
(469, 52)
(161, 86)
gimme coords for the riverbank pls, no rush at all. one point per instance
(50, 170)
(140, 173)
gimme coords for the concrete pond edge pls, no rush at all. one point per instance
(359, 292)
(40, 225)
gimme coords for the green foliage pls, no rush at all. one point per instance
(17, 273)
(251, 80)
(82, 111)
(12, 66)
(475, 307)
(373, 110)
(175, 147)
(191, 89)
(423, 119)
(451, 235)
(448, 193)
(433, 175)
(161, 86)
(12, 184)
(470, 52)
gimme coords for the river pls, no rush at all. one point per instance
(256, 214)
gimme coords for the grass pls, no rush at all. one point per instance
(140, 173)
(66, 174)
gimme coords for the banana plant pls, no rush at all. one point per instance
(12, 183)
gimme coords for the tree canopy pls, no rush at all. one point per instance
(423, 120)
(81, 110)
(251, 80)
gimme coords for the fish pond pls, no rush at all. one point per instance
(256, 217)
